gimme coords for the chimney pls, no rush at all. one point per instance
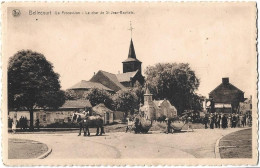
(225, 80)
(118, 72)
(94, 73)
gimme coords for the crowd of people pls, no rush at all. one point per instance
(219, 120)
(22, 123)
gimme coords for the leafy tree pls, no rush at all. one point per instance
(32, 83)
(97, 96)
(196, 102)
(139, 90)
(71, 95)
(176, 82)
(126, 100)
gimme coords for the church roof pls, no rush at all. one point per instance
(88, 85)
(125, 77)
(158, 102)
(75, 104)
(113, 78)
(131, 54)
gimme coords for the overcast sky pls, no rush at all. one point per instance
(216, 39)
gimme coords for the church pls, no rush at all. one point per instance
(154, 109)
(132, 72)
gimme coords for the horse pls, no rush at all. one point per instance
(85, 122)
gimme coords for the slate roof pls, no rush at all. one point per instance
(131, 60)
(88, 85)
(113, 78)
(125, 77)
(228, 85)
(101, 109)
(76, 104)
(158, 102)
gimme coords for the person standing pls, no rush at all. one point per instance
(189, 121)
(20, 123)
(25, 123)
(234, 121)
(244, 120)
(212, 121)
(224, 122)
(37, 123)
(241, 120)
(229, 121)
(205, 121)
(80, 124)
(250, 120)
(14, 124)
(168, 122)
(217, 121)
(220, 118)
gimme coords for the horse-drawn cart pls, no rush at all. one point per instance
(138, 124)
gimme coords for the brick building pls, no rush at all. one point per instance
(226, 97)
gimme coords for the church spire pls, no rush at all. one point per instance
(132, 64)
(131, 53)
(148, 97)
(147, 91)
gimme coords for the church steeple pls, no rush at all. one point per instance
(148, 97)
(131, 64)
(131, 53)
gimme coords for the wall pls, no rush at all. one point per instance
(132, 66)
(45, 117)
(166, 109)
(118, 115)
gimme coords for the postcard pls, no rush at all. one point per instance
(124, 83)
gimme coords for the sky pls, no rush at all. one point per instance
(216, 39)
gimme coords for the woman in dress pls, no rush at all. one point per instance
(14, 125)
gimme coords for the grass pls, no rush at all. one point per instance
(25, 149)
(237, 145)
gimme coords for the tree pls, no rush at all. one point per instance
(71, 95)
(139, 90)
(126, 100)
(97, 96)
(196, 102)
(176, 82)
(32, 83)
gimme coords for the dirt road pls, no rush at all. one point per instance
(199, 144)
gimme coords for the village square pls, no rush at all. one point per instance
(123, 109)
